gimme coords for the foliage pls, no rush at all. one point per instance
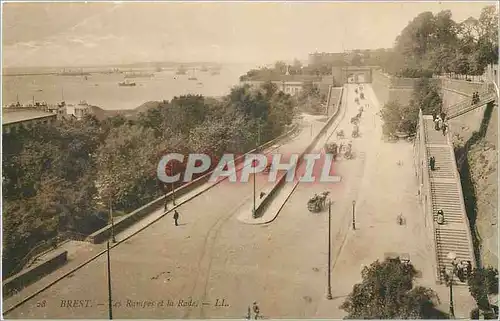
(60, 178)
(437, 44)
(387, 292)
(311, 100)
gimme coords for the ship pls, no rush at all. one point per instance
(193, 76)
(181, 71)
(126, 83)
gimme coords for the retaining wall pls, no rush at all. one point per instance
(268, 198)
(33, 274)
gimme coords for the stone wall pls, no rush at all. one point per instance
(388, 88)
(17, 282)
(481, 159)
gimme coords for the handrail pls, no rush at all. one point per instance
(458, 111)
(428, 195)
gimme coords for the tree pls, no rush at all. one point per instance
(280, 67)
(387, 292)
(392, 115)
(483, 282)
(310, 98)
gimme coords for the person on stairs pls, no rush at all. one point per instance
(444, 126)
(440, 217)
(436, 123)
(432, 163)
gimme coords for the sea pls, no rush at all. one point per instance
(102, 90)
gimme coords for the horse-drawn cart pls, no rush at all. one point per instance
(317, 203)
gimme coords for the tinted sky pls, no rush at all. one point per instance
(55, 34)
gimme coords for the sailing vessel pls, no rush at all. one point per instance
(126, 83)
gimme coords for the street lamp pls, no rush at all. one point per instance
(110, 303)
(353, 215)
(329, 293)
(448, 275)
(254, 164)
(112, 221)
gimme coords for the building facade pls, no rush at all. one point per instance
(291, 85)
(320, 58)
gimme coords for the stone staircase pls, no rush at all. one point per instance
(446, 194)
(465, 105)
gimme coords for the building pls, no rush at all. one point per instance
(289, 84)
(14, 119)
(79, 111)
(320, 58)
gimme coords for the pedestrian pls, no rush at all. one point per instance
(443, 116)
(256, 310)
(436, 123)
(477, 97)
(469, 268)
(262, 194)
(165, 207)
(176, 217)
(249, 314)
(434, 117)
(432, 163)
(440, 217)
(444, 127)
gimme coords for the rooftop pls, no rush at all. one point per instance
(19, 115)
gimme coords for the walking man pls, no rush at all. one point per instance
(444, 127)
(432, 163)
(436, 123)
(176, 217)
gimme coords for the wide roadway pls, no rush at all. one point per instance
(163, 262)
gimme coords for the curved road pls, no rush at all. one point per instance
(163, 261)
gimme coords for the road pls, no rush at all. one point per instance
(200, 218)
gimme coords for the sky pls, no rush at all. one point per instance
(73, 34)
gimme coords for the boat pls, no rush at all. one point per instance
(126, 83)
(193, 77)
(181, 71)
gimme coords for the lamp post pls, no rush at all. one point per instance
(173, 186)
(353, 215)
(329, 293)
(110, 303)
(448, 275)
(254, 164)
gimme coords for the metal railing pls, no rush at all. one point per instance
(465, 106)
